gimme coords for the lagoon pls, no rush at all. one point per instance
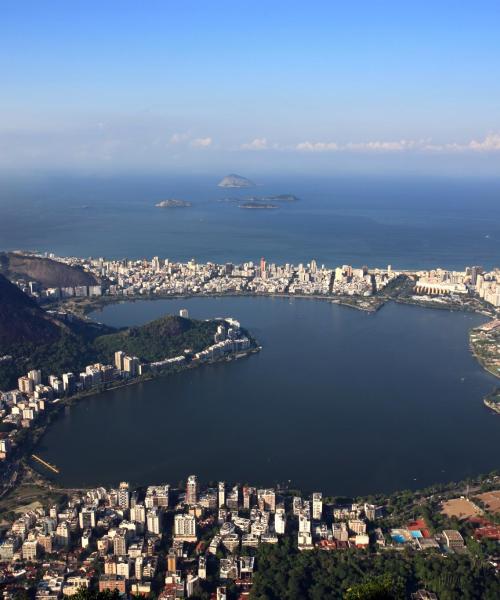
(338, 401)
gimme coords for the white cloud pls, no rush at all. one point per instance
(378, 146)
(317, 146)
(201, 142)
(491, 143)
(256, 144)
(179, 138)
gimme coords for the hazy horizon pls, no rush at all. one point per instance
(252, 87)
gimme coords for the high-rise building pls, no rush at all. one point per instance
(248, 496)
(232, 499)
(138, 513)
(154, 521)
(86, 518)
(30, 550)
(25, 385)
(120, 543)
(221, 495)
(280, 521)
(317, 506)
(119, 357)
(69, 381)
(474, 272)
(171, 561)
(266, 500)
(262, 266)
(35, 375)
(192, 490)
(304, 523)
(63, 534)
(131, 365)
(157, 495)
(124, 495)
(185, 527)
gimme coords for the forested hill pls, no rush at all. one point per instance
(22, 321)
(47, 272)
(165, 337)
(35, 339)
(286, 573)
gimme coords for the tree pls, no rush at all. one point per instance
(383, 587)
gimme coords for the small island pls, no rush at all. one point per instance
(235, 181)
(281, 198)
(173, 203)
(257, 205)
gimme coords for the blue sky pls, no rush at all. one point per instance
(185, 85)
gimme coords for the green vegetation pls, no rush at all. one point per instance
(84, 594)
(165, 337)
(383, 587)
(285, 573)
(36, 339)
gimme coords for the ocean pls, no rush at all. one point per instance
(410, 222)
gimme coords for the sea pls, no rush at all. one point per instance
(338, 400)
(409, 222)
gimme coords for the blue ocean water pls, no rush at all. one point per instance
(409, 222)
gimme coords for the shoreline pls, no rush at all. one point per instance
(56, 408)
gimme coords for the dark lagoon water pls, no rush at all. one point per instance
(409, 222)
(338, 401)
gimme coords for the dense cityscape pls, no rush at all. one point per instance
(207, 542)
(204, 541)
(162, 277)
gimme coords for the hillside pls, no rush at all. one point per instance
(22, 321)
(47, 272)
(35, 339)
(165, 337)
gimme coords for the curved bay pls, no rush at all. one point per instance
(338, 401)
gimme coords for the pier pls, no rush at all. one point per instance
(47, 465)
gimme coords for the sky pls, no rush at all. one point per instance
(195, 86)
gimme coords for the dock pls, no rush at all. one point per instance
(47, 465)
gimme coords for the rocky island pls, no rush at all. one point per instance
(173, 203)
(235, 181)
(281, 198)
(253, 204)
